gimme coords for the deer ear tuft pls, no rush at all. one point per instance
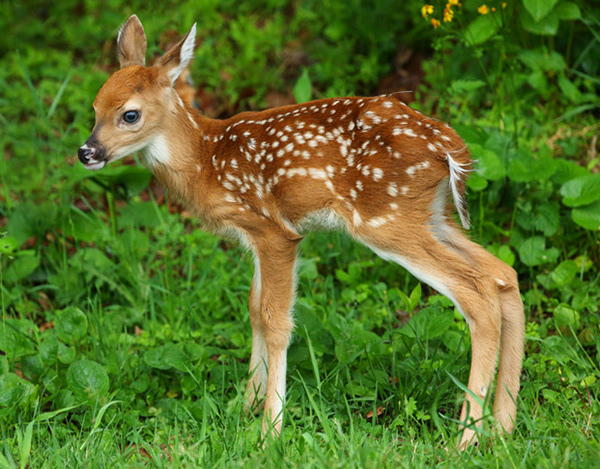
(177, 59)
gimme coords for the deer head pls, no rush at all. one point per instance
(134, 103)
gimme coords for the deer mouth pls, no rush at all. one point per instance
(95, 165)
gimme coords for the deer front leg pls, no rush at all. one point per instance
(272, 326)
(257, 384)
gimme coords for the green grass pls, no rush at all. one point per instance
(125, 337)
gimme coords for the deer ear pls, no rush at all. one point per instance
(176, 59)
(131, 43)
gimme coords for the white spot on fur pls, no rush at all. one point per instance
(377, 221)
(392, 189)
(316, 173)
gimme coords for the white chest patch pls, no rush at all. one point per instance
(157, 152)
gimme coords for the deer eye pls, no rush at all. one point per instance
(131, 116)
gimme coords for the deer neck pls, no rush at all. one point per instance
(179, 154)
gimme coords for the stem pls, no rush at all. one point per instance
(110, 201)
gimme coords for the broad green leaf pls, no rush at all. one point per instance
(547, 218)
(564, 273)
(31, 220)
(580, 191)
(587, 216)
(84, 226)
(66, 354)
(538, 9)
(569, 89)
(13, 389)
(320, 337)
(168, 356)
(335, 30)
(21, 268)
(88, 380)
(8, 245)
(567, 170)
(71, 325)
(303, 88)
(142, 214)
(583, 263)
(428, 323)
(472, 134)
(538, 81)
(136, 241)
(95, 258)
(481, 29)
(547, 27)
(48, 349)
(307, 268)
(476, 182)
(490, 165)
(351, 340)
(415, 298)
(533, 252)
(502, 252)
(505, 254)
(541, 59)
(15, 337)
(568, 11)
(526, 167)
(459, 86)
(566, 317)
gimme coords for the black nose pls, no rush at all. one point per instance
(85, 153)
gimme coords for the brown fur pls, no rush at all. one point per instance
(372, 166)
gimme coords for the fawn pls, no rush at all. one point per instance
(386, 174)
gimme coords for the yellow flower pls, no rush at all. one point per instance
(483, 10)
(435, 23)
(448, 15)
(503, 4)
(426, 10)
(453, 2)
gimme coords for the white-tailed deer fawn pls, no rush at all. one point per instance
(386, 174)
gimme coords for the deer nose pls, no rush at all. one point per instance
(85, 153)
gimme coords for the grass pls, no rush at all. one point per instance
(125, 337)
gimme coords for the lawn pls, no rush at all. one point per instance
(125, 336)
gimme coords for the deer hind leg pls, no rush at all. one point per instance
(512, 336)
(473, 292)
(271, 303)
